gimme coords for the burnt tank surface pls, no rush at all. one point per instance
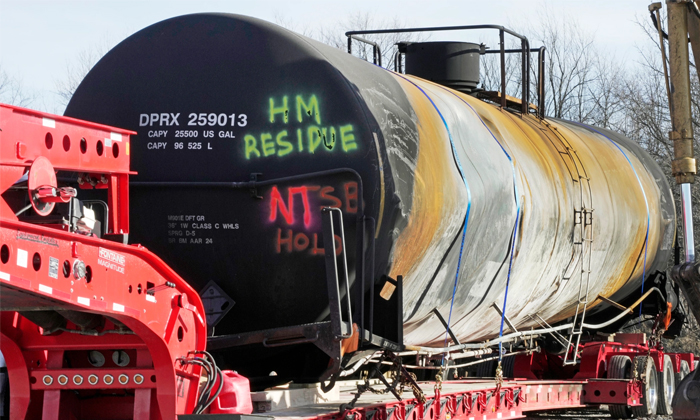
(454, 187)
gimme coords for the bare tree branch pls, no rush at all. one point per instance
(334, 35)
(78, 68)
(13, 92)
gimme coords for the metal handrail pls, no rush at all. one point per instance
(332, 266)
(525, 47)
(376, 50)
(540, 75)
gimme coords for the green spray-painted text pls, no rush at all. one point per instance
(310, 138)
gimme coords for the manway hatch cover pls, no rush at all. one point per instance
(216, 304)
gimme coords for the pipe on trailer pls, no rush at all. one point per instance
(476, 362)
(513, 336)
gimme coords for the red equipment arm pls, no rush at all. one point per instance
(83, 316)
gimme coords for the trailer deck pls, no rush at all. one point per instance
(475, 399)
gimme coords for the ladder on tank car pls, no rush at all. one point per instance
(582, 237)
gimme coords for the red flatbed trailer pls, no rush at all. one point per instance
(462, 399)
(68, 295)
(482, 398)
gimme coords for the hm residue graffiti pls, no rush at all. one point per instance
(309, 138)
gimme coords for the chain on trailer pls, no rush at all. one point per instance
(400, 379)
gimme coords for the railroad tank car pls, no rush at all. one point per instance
(466, 197)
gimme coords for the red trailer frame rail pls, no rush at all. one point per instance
(478, 399)
(89, 328)
(606, 375)
(475, 400)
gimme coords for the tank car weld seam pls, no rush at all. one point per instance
(469, 202)
(515, 229)
(644, 194)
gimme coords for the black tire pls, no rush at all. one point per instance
(509, 367)
(486, 369)
(685, 370)
(646, 368)
(4, 394)
(667, 387)
(620, 367)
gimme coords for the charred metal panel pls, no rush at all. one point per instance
(218, 98)
(489, 195)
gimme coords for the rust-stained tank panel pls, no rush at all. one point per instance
(564, 172)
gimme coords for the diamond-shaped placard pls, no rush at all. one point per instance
(216, 304)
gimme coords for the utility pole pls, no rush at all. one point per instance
(684, 24)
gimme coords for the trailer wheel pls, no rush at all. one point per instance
(685, 370)
(646, 368)
(667, 387)
(620, 367)
(486, 369)
(509, 367)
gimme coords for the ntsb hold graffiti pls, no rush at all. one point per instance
(311, 137)
(288, 241)
(313, 198)
(299, 207)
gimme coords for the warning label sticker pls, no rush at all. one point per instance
(53, 267)
(216, 303)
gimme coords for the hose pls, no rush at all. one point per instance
(206, 398)
(359, 364)
(476, 362)
(625, 312)
(207, 367)
(656, 25)
(483, 347)
(213, 374)
(520, 334)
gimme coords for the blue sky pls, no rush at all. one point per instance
(38, 39)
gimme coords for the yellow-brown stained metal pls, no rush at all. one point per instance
(559, 167)
(433, 190)
(631, 183)
(600, 158)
